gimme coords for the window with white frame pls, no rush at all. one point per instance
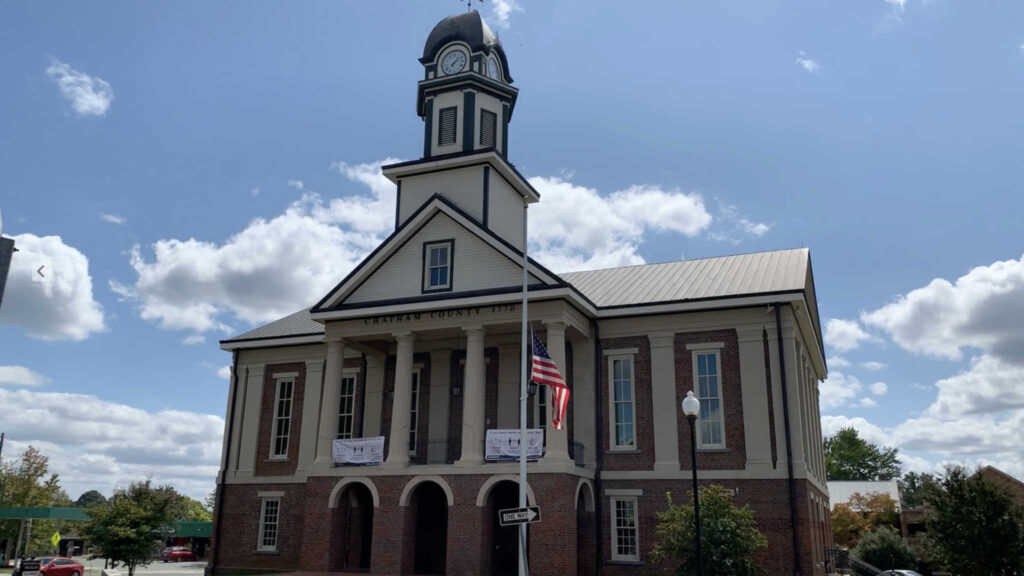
(437, 266)
(414, 415)
(625, 529)
(707, 374)
(346, 407)
(270, 515)
(282, 418)
(622, 403)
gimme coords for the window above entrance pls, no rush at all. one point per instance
(437, 266)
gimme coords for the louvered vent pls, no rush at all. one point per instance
(446, 135)
(488, 128)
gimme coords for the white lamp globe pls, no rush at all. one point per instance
(691, 406)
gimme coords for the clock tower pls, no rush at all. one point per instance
(465, 99)
(466, 96)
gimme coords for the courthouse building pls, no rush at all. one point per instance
(360, 433)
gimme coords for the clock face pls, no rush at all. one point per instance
(492, 69)
(453, 62)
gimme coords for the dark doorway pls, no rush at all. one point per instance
(431, 505)
(358, 530)
(504, 539)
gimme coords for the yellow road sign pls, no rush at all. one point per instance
(55, 539)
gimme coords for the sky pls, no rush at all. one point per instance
(183, 172)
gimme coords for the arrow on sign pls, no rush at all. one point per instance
(513, 516)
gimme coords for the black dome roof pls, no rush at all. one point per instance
(468, 27)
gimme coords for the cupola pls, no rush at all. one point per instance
(465, 98)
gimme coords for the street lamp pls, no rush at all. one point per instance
(691, 408)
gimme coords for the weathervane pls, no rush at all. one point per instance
(469, 4)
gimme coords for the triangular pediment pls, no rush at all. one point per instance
(482, 264)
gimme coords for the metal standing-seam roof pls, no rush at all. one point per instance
(722, 277)
(707, 278)
(297, 324)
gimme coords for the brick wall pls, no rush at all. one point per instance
(643, 457)
(265, 466)
(734, 456)
(240, 524)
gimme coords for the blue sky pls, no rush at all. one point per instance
(186, 171)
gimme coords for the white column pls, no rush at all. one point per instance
(398, 440)
(473, 395)
(310, 408)
(754, 388)
(328, 429)
(666, 403)
(557, 441)
(250, 421)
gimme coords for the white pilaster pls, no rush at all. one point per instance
(473, 395)
(328, 428)
(557, 441)
(508, 386)
(666, 406)
(250, 420)
(398, 440)
(756, 431)
(374, 400)
(310, 409)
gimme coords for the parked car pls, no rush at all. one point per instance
(177, 554)
(56, 566)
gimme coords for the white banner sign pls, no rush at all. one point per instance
(504, 444)
(358, 450)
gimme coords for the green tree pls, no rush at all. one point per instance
(973, 527)
(914, 487)
(849, 457)
(884, 548)
(24, 482)
(125, 528)
(90, 499)
(728, 535)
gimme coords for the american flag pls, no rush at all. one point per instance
(545, 372)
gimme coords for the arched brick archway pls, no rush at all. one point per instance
(352, 503)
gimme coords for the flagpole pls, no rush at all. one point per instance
(524, 569)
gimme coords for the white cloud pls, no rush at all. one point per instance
(867, 402)
(844, 335)
(576, 228)
(112, 218)
(199, 286)
(1022, 47)
(96, 444)
(981, 309)
(297, 184)
(873, 366)
(733, 227)
(224, 372)
(807, 64)
(193, 339)
(57, 305)
(837, 390)
(879, 388)
(88, 95)
(255, 192)
(866, 430)
(838, 362)
(21, 376)
(501, 11)
(990, 385)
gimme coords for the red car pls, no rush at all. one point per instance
(51, 566)
(177, 554)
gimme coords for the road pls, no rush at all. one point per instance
(95, 568)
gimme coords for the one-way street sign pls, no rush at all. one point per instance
(512, 516)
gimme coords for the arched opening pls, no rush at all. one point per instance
(504, 539)
(356, 506)
(584, 531)
(429, 503)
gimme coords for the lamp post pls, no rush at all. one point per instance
(691, 408)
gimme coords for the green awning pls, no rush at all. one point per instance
(43, 513)
(192, 529)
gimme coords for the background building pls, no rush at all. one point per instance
(420, 345)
